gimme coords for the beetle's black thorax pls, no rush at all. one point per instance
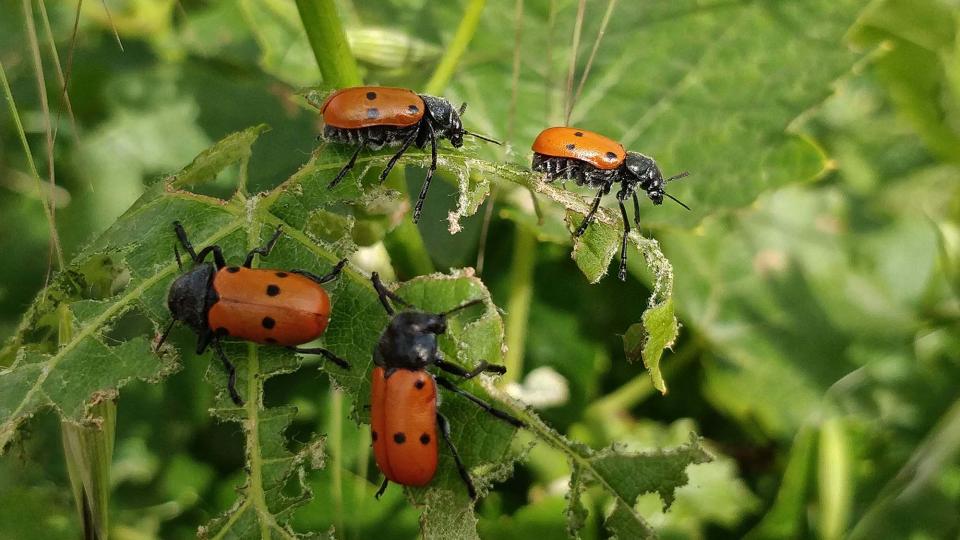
(444, 119)
(410, 340)
(191, 296)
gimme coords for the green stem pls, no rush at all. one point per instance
(329, 43)
(88, 452)
(518, 304)
(408, 252)
(455, 49)
(339, 70)
(335, 438)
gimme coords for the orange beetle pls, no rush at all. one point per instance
(404, 419)
(594, 160)
(377, 116)
(275, 307)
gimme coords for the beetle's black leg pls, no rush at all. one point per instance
(383, 488)
(326, 278)
(393, 161)
(231, 373)
(384, 293)
(623, 243)
(346, 168)
(444, 426)
(426, 181)
(589, 217)
(218, 259)
(184, 241)
(176, 254)
(483, 367)
(197, 257)
(264, 250)
(325, 353)
(636, 210)
(506, 417)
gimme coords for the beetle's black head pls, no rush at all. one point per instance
(188, 297)
(645, 175)
(445, 119)
(410, 340)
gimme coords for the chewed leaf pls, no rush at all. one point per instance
(648, 339)
(473, 188)
(268, 497)
(595, 249)
(233, 148)
(622, 475)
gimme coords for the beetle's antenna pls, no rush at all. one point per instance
(684, 174)
(176, 253)
(676, 200)
(463, 108)
(465, 305)
(165, 334)
(483, 138)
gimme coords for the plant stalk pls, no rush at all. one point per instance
(88, 452)
(523, 264)
(329, 43)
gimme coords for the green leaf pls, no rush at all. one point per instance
(657, 331)
(284, 50)
(595, 249)
(274, 486)
(620, 474)
(785, 519)
(672, 98)
(919, 42)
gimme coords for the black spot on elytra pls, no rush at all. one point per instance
(371, 95)
(373, 435)
(578, 134)
(268, 322)
(221, 332)
(419, 384)
(611, 156)
(571, 146)
(425, 439)
(271, 341)
(399, 438)
(233, 269)
(281, 274)
(373, 113)
(413, 109)
(273, 290)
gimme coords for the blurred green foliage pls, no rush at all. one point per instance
(817, 280)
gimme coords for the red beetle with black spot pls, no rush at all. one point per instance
(377, 116)
(275, 307)
(404, 419)
(593, 160)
